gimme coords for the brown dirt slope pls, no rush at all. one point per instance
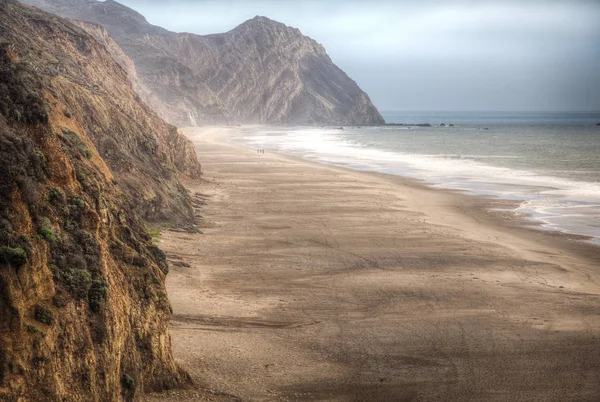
(91, 95)
(83, 305)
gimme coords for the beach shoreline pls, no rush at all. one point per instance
(561, 196)
(317, 282)
(495, 210)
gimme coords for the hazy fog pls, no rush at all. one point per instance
(433, 55)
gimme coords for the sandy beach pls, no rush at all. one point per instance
(315, 282)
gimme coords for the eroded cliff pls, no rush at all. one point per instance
(83, 306)
(260, 72)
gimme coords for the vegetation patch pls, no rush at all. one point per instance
(76, 264)
(128, 385)
(29, 190)
(81, 176)
(78, 282)
(34, 330)
(70, 268)
(160, 258)
(139, 261)
(45, 231)
(121, 252)
(79, 202)
(155, 234)
(56, 196)
(60, 300)
(97, 294)
(16, 257)
(76, 209)
(21, 98)
(43, 315)
(128, 382)
(74, 140)
(42, 158)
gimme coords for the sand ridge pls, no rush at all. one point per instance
(314, 282)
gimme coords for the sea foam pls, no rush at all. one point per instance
(557, 203)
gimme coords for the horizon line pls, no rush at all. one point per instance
(489, 111)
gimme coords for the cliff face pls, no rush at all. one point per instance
(260, 72)
(267, 72)
(172, 89)
(102, 36)
(143, 152)
(83, 306)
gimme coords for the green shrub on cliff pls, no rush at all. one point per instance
(20, 88)
(155, 233)
(74, 140)
(97, 294)
(45, 231)
(56, 196)
(41, 158)
(128, 384)
(34, 331)
(13, 256)
(43, 315)
(79, 282)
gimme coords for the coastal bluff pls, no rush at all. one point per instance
(85, 166)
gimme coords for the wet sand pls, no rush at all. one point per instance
(313, 282)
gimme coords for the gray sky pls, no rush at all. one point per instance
(432, 55)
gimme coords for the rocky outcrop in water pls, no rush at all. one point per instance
(260, 72)
(83, 306)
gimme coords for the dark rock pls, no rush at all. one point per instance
(408, 125)
(180, 264)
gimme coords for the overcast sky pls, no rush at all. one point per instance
(432, 55)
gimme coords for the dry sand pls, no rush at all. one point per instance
(313, 282)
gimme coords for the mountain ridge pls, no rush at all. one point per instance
(261, 71)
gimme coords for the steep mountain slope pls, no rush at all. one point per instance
(143, 152)
(260, 72)
(172, 89)
(265, 71)
(83, 306)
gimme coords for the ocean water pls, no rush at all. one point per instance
(548, 161)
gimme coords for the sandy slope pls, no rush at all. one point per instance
(313, 282)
